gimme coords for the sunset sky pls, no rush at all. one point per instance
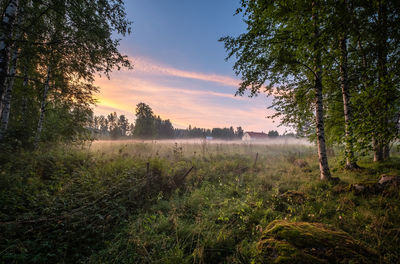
(180, 68)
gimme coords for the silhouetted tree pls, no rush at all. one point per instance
(145, 122)
(273, 133)
(239, 132)
(123, 125)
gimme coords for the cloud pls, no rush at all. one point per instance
(182, 100)
(125, 82)
(145, 65)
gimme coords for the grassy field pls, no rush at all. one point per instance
(193, 202)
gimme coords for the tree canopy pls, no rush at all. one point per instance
(55, 49)
(329, 64)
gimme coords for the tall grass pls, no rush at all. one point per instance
(140, 202)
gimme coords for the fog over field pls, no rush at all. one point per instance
(175, 149)
(276, 141)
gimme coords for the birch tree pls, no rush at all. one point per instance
(340, 78)
(75, 40)
(344, 85)
(6, 30)
(331, 64)
(377, 57)
(282, 54)
(5, 104)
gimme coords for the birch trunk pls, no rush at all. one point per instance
(43, 107)
(5, 114)
(377, 148)
(319, 109)
(381, 150)
(344, 83)
(25, 99)
(319, 117)
(6, 28)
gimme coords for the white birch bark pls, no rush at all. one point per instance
(43, 107)
(5, 113)
(319, 109)
(5, 104)
(6, 28)
(344, 83)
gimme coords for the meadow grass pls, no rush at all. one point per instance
(140, 202)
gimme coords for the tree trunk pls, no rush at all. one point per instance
(43, 107)
(319, 109)
(383, 84)
(377, 148)
(6, 28)
(344, 83)
(319, 117)
(364, 79)
(24, 106)
(5, 114)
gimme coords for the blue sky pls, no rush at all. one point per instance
(183, 33)
(180, 68)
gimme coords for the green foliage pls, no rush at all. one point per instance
(354, 44)
(73, 200)
(60, 46)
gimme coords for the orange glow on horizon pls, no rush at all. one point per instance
(203, 108)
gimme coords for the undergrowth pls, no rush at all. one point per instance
(153, 203)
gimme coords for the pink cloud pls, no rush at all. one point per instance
(150, 67)
(198, 107)
(126, 82)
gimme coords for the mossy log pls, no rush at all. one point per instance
(301, 242)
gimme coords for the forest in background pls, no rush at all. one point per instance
(150, 126)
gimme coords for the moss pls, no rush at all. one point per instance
(287, 242)
(283, 252)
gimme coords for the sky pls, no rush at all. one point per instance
(180, 68)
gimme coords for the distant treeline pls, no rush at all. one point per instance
(149, 126)
(219, 133)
